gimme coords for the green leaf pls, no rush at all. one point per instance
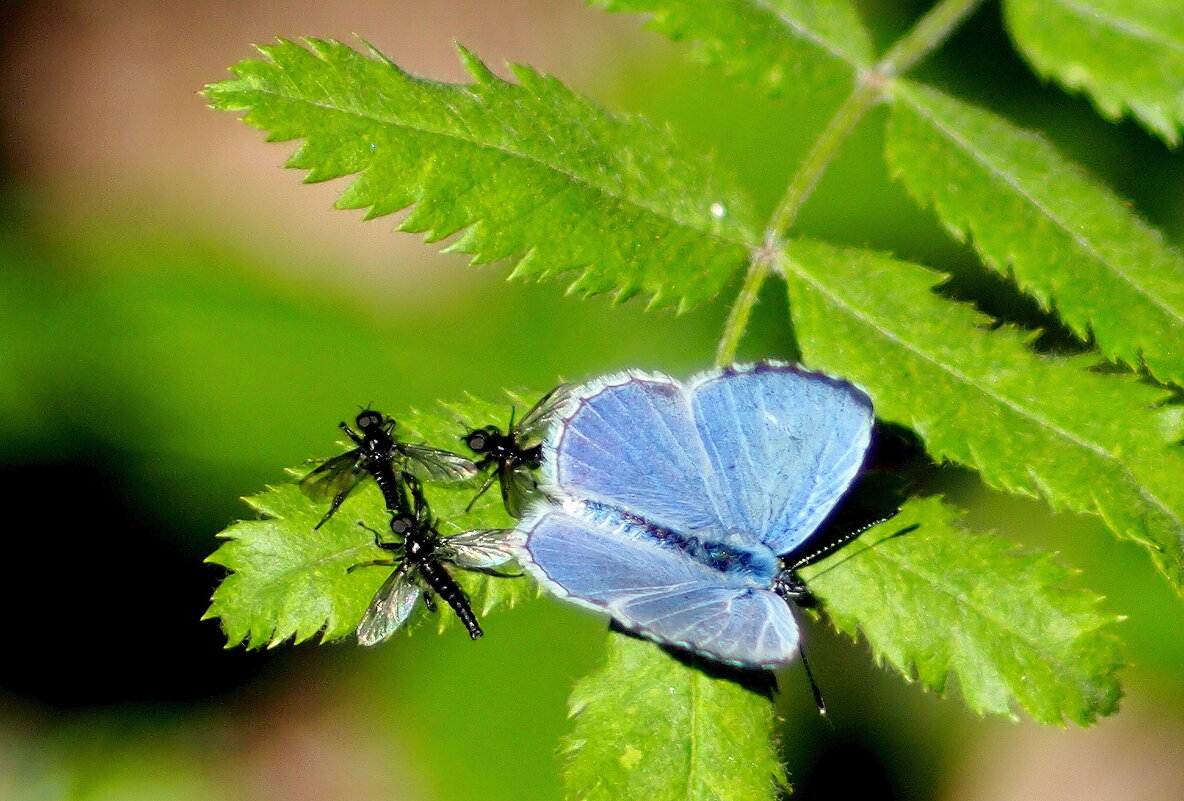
(289, 580)
(1052, 428)
(649, 727)
(772, 44)
(1126, 54)
(530, 171)
(1069, 242)
(942, 601)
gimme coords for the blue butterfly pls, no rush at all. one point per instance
(671, 505)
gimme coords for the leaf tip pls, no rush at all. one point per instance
(374, 51)
(474, 65)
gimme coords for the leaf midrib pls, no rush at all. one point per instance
(285, 575)
(960, 598)
(806, 33)
(572, 178)
(957, 374)
(1084, 244)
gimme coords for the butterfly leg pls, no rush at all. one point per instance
(814, 688)
(790, 587)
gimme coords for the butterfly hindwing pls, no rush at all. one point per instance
(659, 591)
(743, 627)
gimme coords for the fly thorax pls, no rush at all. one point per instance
(379, 443)
(531, 457)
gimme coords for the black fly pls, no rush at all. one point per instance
(418, 556)
(378, 454)
(517, 452)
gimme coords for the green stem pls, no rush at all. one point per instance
(741, 311)
(927, 35)
(801, 186)
(804, 180)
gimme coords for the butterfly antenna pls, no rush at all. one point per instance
(827, 548)
(814, 688)
(892, 536)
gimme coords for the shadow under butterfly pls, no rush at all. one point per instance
(377, 454)
(685, 510)
(419, 554)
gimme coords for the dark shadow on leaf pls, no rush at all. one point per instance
(761, 681)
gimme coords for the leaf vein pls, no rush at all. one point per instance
(1083, 243)
(473, 142)
(1123, 25)
(1003, 401)
(805, 32)
(1031, 639)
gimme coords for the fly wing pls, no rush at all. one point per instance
(390, 608)
(479, 549)
(334, 477)
(533, 426)
(518, 488)
(434, 464)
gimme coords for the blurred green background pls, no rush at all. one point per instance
(180, 318)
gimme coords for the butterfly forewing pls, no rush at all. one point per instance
(631, 443)
(783, 445)
(391, 606)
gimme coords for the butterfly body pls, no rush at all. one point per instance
(729, 554)
(673, 504)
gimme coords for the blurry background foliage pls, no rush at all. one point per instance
(178, 318)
